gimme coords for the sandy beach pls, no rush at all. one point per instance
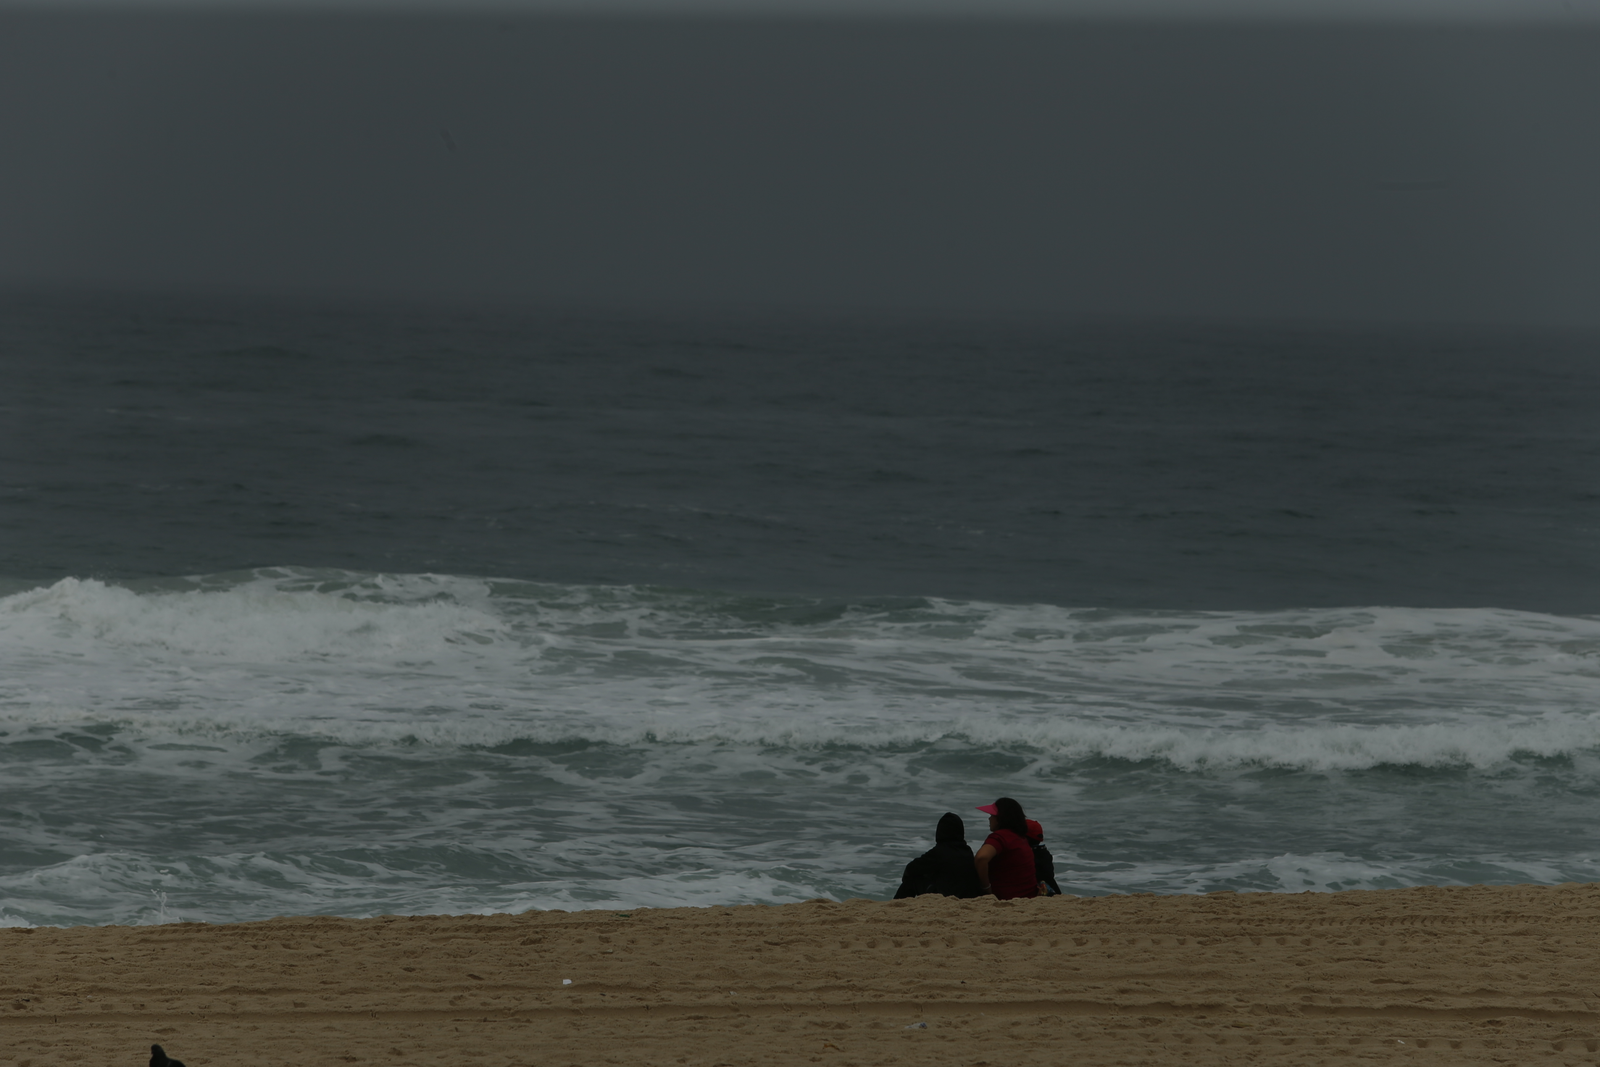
(1425, 975)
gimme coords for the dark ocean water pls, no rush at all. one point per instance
(383, 609)
(1109, 466)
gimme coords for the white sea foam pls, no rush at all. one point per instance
(253, 622)
(1319, 872)
(131, 889)
(240, 746)
(438, 660)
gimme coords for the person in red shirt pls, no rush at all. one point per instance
(1005, 862)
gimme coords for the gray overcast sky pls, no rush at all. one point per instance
(1223, 168)
(1558, 12)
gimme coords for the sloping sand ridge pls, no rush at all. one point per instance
(1428, 975)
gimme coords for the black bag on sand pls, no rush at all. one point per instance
(1044, 866)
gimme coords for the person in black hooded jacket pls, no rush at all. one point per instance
(945, 868)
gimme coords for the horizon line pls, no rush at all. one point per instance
(1377, 13)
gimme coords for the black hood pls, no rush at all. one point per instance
(951, 829)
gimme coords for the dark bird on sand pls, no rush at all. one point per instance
(159, 1058)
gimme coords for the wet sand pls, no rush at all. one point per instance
(1430, 975)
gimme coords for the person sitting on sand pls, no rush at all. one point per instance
(1005, 862)
(946, 868)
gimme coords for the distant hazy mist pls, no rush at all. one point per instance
(1349, 172)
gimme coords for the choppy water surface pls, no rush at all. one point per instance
(252, 744)
(379, 610)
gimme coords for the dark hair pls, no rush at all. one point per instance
(951, 828)
(1009, 815)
